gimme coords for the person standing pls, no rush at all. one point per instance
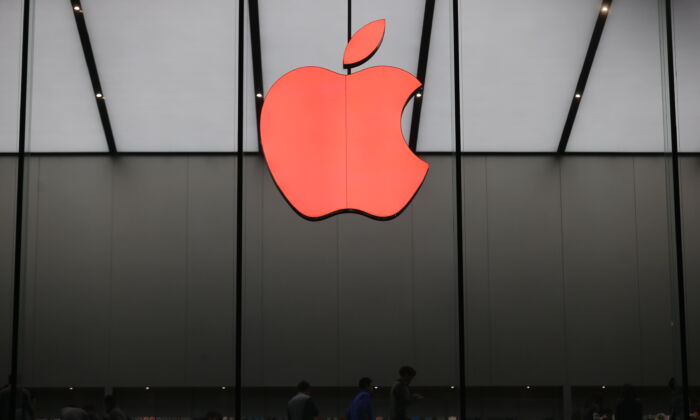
(401, 396)
(113, 410)
(629, 408)
(301, 406)
(362, 407)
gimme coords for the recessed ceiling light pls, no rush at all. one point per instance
(418, 95)
(70, 388)
(452, 387)
(527, 387)
(76, 8)
(99, 95)
(223, 387)
(578, 95)
(148, 388)
(604, 9)
(259, 95)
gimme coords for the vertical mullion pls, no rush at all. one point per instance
(677, 221)
(19, 204)
(458, 208)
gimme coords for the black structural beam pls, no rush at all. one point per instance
(677, 216)
(349, 69)
(424, 153)
(420, 75)
(94, 76)
(238, 358)
(603, 13)
(256, 52)
(459, 223)
(19, 206)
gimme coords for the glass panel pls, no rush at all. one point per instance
(8, 194)
(690, 199)
(621, 109)
(568, 284)
(686, 14)
(520, 62)
(129, 285)
(10, 68)
(64, 115)
(169, 71)
(334, 300)
(400, 48)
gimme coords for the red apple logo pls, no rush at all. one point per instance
(333, 142)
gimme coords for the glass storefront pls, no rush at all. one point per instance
(567, 306)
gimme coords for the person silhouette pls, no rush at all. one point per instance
(362, 407)
(401, 396)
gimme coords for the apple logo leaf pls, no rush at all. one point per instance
(364, 43)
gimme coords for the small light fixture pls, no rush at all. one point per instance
(603, 386)
(224, 388)
(259, 95)
(578, 96)
(604, 9)
(527, 387)
(418, 95)
(452, 387)
(376, 387)
(99, 95)
(148, 388)
(76, 8)
(70, 388)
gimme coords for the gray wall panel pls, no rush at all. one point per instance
(434, 267)
(333, 300)
(8, 185)
(253, 363)
(149, 266)
(525, 276)
(376, 294)
(71, 258)
(211, 279)
(476, 272)
(602, 302)
(28, 316)
(299, 295)
(690, 198)
(656, 307)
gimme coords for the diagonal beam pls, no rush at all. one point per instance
(420, 75)
(603, 13)
(256, 51)
(94, 76)
(677, 211)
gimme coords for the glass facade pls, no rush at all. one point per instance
(519, 283)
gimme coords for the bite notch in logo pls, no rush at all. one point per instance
(333, 142)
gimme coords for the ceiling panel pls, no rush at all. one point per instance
(301, 33)
(687, 42)
(400, 48)
(10, 67)
(168, 70)
(520, 61)
(401, 42)
(293, 34)
(64, 115)
(622, 107)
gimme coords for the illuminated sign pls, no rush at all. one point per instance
(333, 142)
